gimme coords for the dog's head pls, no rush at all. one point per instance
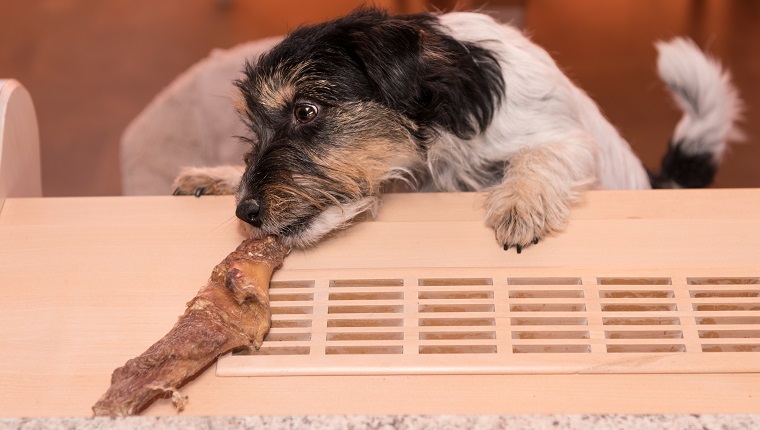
(339, 108)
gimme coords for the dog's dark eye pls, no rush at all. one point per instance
(248, 158)
(305, 112)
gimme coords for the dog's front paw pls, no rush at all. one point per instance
(198, 181)
(521, 216)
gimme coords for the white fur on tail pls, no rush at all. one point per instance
(704, 92)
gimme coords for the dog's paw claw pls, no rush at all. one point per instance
(197, 192)
(519, 248)
(520, 222)
(515, 232)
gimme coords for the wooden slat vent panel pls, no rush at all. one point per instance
(495, 323)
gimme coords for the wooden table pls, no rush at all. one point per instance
(91, 282)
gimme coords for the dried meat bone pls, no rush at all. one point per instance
(230, 311)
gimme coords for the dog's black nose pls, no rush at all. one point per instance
(249, 211)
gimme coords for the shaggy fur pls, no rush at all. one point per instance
(453, 102)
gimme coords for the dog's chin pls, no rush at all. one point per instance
(306, 233)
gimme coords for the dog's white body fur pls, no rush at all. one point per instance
(541, 106)
(551, 137)
(548, 128)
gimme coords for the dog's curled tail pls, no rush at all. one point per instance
(711, 108)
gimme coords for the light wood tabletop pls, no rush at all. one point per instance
(648, 303)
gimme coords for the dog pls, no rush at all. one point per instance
(445, 102)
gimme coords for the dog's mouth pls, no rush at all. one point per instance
(296, 229)
(305, 231)
(295, 234)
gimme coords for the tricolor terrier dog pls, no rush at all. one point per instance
(451, 102)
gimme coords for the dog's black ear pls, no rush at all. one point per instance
(422, 72)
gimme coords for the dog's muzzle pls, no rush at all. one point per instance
(249, 211)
